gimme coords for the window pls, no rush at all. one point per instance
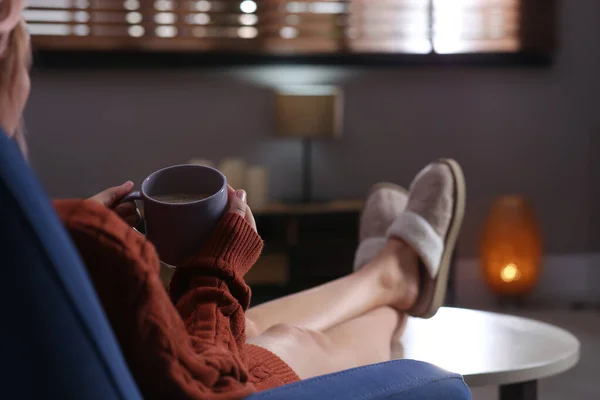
(296, 27)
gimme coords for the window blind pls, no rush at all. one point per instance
(294, 26)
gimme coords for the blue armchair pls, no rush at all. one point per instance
(57, 343)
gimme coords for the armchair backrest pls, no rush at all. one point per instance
(56, 341)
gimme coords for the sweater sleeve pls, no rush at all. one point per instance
(199, 356)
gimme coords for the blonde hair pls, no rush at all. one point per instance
(14, 53)
(13, 40)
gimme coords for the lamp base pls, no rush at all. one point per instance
(306, 171)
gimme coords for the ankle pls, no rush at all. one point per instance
(399, 274)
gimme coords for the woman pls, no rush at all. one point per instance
(203, 342)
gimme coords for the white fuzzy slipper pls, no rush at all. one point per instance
(430, 225)
(384, 203)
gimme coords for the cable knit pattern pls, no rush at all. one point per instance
(229, 253)
(196, 348)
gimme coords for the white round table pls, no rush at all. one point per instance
(490, 349)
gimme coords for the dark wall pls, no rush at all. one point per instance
(515, 130)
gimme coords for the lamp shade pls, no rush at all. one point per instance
(312, 112)
(511, 247)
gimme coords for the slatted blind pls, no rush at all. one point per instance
(294, 27)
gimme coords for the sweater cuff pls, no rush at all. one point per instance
(233, 242)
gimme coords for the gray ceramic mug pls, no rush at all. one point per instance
(182, 204)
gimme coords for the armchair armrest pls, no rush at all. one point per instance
(393, 380)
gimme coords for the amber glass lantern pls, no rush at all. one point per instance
(511, 247)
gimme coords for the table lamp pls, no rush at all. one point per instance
(309, 112)
(511, 247)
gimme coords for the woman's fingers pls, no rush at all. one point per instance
(250, 217)
(238, 205)
(237, 201)
(129, 213)
(111, 196)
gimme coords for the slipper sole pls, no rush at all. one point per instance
(440, 282)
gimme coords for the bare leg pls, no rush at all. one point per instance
(359, 341)
(391, 279)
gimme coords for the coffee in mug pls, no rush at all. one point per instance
(180, 197)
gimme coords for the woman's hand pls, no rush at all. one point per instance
(111, 198)
(238, 205)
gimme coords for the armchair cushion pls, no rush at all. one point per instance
(393, 380)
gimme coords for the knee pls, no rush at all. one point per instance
(308, 353)
(251, 329)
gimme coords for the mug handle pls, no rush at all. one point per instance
(141, 228)
(136, 195)
(133, 196)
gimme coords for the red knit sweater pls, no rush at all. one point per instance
(189, 346)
